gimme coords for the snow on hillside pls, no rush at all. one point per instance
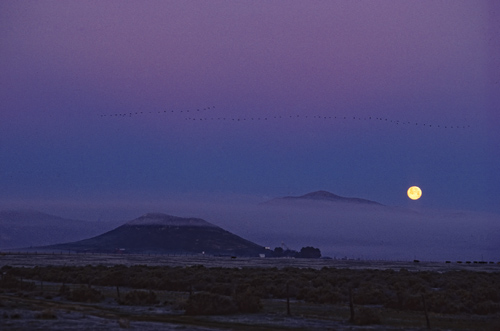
(168, 220)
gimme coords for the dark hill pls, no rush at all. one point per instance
(165, 234)
(326, 196)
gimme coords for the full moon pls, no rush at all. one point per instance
(414, 193)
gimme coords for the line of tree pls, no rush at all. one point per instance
(307, 252)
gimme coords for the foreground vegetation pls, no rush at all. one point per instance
(361, 296)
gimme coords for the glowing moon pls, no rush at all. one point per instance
(414, 193)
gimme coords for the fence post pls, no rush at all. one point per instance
(288, 300)
(425, 312)
(351, 305)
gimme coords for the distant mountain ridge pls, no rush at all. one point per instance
(327, 196)
(165, 234)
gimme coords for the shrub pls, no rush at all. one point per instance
(140, 298)
(85, 294)
(124, 323)
(247, 302)
(46, 315)
(223, 289)
(10, 282)
(486, 307)
(64, 290)
(366, 316)
(204, 303)
(370, 294)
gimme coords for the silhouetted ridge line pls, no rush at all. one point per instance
(328, 196)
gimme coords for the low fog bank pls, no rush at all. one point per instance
(338, 229)
(28, 228)
(367, 232)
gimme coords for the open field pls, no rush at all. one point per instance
(100, 292)
(44, 259)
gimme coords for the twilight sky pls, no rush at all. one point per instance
(339, 92)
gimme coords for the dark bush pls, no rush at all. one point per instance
(46, 315)
(85, 294)
(64, 290)
(370, 294)
(204, 303)
(10, 282)
(222, 289)
(140, 298)
(247, 302)
(486, 307)
(413, 302)
(366, 316)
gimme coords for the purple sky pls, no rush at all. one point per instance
(63, 64)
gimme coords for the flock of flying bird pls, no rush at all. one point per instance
(276, 117)
(138, 113)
